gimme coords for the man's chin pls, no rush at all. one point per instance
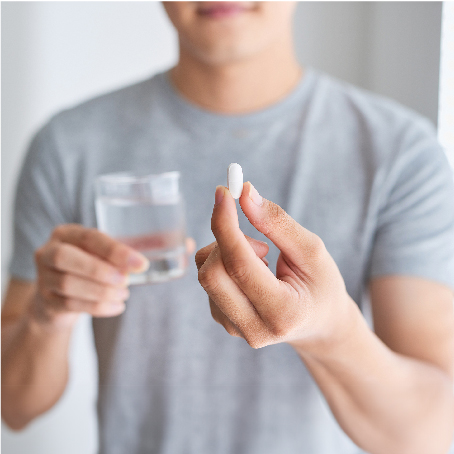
(222, 55)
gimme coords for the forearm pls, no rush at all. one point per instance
(34, 367)
(387, 403)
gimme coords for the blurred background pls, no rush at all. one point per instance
(57, 54)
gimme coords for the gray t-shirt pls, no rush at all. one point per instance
(362, 172)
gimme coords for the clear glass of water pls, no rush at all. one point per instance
(146, 213)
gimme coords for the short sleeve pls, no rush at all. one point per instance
(41, 202)
(415, 225)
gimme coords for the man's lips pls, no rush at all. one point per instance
(219, 10)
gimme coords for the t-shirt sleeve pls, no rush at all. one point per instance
(415, 225)
(41, 202)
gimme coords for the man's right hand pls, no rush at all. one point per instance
(83, 270)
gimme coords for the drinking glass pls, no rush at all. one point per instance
(145, 212)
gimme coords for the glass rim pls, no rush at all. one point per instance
(131, 178)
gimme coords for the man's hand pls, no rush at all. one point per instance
(385, 401)
(79, 270)
(83, 270)
(305, 304)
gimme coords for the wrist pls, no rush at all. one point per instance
(342, 328)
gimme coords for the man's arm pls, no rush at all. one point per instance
(390, 396)
(34, 358)
(79, 270)
(394, 393)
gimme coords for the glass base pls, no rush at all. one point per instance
(163, 267)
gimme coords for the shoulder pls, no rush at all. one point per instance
(110, 112)
(102, 123)
(379, 117)
(124, 104)
(374, 129)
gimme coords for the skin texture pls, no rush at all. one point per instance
(391, 394)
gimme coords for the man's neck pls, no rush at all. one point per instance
(241, 87)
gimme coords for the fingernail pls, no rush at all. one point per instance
(255, 196)
(219, 195)
(138, 261)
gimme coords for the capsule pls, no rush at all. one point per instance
(235, 180)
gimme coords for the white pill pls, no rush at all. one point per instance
(235, 180)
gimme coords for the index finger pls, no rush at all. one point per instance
(97, 243)
(241, 262)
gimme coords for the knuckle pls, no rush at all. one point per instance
(280, 329)
(231, 330)
(96, 269)
(201, 255)
(255, 342)
(208, 279)
(41, 282)
(86, 237)
(255, 345)
(64, 283)
(46, 293)
(199, 260)
(93, 269)
(116, 251)
(58, 231)
(317, 247)
(67, 303)
(238, 270)
(58, 256)
(39, 254)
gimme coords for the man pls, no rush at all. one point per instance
(365, 178)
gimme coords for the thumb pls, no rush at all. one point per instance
(292, 239)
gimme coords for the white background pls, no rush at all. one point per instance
(446, 107)
(57, 54)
